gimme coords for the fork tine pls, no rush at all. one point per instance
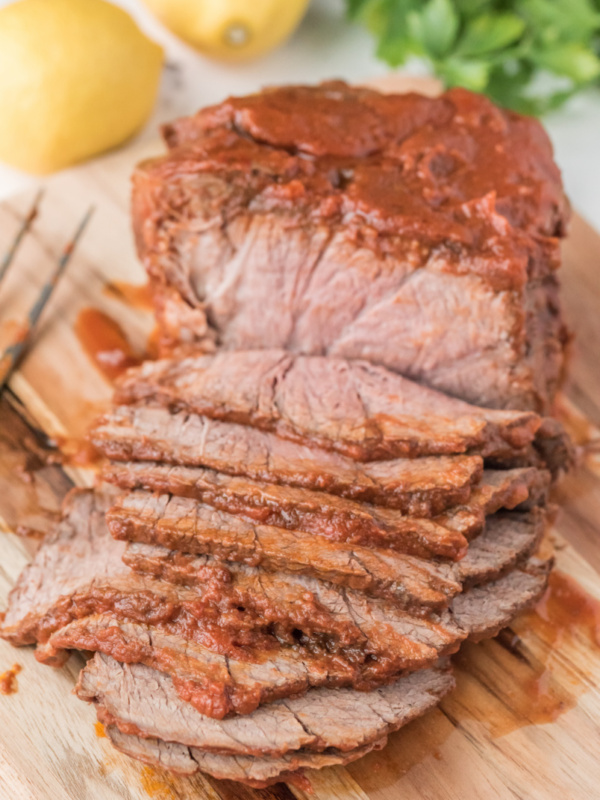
(13, 352)
(25, 225)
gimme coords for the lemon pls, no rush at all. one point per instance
(231, 29)
(76, 77)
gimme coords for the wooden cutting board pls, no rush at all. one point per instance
(524, 721)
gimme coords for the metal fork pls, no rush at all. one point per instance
(12, 354)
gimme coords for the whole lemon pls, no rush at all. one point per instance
(231, 29)
(76, 77)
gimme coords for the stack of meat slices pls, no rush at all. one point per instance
(301, 543)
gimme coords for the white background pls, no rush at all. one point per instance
(326, 46)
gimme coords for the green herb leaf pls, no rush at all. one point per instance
(490, 32)
(530, 55)
(574, 61)
(572, 20)
(436, 27)
(355, 8)
(397, 42)
(470, 8)
(471, 74)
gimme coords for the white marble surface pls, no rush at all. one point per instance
(326, 46)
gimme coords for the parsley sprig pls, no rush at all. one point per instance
(528, 55)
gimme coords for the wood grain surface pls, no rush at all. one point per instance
(524, 721)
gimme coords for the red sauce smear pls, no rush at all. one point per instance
(567, 610)
(13, 331)
(8, 680)
(504, 683)
(154, 346)
(537, 688)
(533, 687)
(77, 452)
(104, 341)
(134, 294)
(300, 781)
(29, 533)
(156, 784)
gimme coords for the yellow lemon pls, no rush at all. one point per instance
(231, 29)
(76, 77)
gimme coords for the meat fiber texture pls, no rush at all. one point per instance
(217, 685)
(339, 519)
(363, 411)
(255, 772)
(180, 525)
(140, 700)
(424, 486)
(208, 614)
(148, 719)
(311, 219)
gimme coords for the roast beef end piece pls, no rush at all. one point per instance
(419, 228)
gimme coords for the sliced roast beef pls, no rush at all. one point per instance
(216, 685)
(354, 407)
(431, 590)
(76, 556)
(422, 486)
(320, 611)
(409, 220)
(338, 518)
(143, 700)
(485, 610)
(183, 525)
(250, 679)
(256, 772)
(506, 540)
(229, 617)
(335, 518)
(377, 637)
